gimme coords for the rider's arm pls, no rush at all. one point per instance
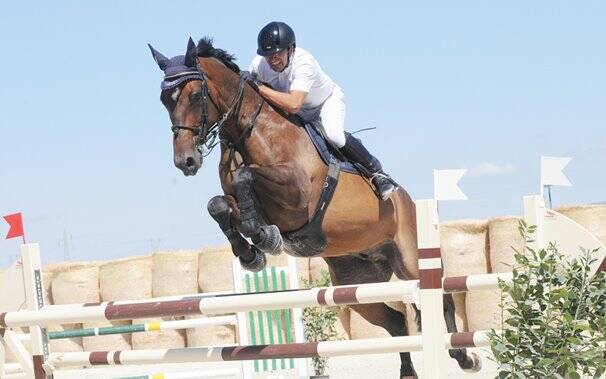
(304, 76)
(290, 102)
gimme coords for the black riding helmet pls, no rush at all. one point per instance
(275, 37)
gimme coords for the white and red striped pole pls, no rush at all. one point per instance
(431, 294)
(221, 304)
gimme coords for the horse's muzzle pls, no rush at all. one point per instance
(189, 164)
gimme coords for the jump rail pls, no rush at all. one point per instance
(146, 327)
(187, 375)
(407, 291)
(254, 352)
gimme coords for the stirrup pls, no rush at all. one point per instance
(380, 179)
(381, 174)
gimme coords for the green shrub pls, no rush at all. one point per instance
(554, 316)
(320, 322)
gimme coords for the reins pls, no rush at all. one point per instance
(207, 135)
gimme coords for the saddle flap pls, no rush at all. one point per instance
(324, 149)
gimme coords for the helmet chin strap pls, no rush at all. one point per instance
(290, 49)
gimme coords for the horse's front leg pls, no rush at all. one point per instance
(223, 209)
(266, 238)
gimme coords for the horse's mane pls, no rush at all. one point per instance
(205, 49)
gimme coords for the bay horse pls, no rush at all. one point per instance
(273, 181)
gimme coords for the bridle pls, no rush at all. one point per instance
(207, 135)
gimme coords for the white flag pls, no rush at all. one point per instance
(445, 184)
(551, 171)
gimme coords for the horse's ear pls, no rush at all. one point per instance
(190, 56)
(160, 59)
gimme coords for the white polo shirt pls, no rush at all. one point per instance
(302, 74)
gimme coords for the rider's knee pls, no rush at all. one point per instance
(336, 137)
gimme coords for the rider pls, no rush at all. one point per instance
(298, 85)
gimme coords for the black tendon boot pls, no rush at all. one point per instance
(357, 153)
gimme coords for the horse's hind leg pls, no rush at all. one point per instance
(222, 212)
(353, 270)
(394, 323)
(468, 362)
(265, 237)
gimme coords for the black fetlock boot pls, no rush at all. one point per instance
(357, 154)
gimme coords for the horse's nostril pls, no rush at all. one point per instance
(189, 162)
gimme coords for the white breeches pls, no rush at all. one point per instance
(332, 116)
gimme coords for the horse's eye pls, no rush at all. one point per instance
(195, 97)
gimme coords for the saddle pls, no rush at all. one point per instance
(326, 151)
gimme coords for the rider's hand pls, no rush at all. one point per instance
(251, 78)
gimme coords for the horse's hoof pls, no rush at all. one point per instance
(271, 243)
(257, 264)
(476, 363)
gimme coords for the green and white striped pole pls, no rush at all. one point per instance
(146, 327)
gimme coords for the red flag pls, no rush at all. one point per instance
(15, 221)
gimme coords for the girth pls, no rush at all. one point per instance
(309, 240)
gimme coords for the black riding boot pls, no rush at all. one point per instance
(357, 153)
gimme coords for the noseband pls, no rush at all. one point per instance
(207, 135)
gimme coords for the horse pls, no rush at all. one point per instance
(274, 185)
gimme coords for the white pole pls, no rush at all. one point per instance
(17, 376)
(198, 322)
(22, 355)
(534, 210)
(355, 294)
(220, 373)
(12, 368)
(370, 346)
(3, 363)
(217, 354)
(293, 278)
(246, 367)
(71, 307)
(431, 293)
(32, 276)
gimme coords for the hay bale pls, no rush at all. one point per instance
(487, 317)
(592, 217)
(48, 274)
(122, 279)
(126, 279)
(161, 339)
(215, 269)
(73, 283)
(464, 252)
(504, 237)
(175, 273)
(216, 335)
(76, 284)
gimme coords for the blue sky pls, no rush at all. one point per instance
(86, 146)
